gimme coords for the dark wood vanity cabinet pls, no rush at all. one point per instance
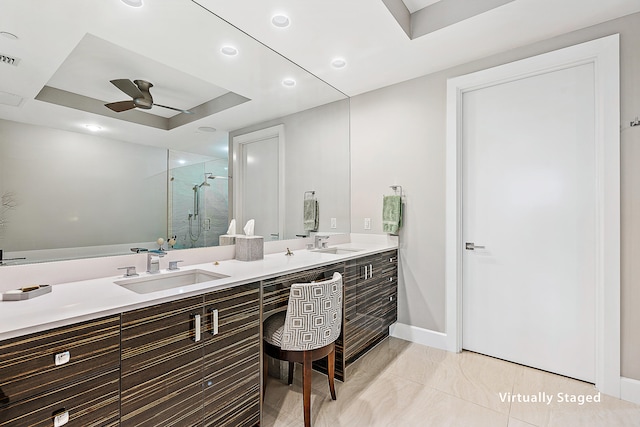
(231, 361)
(371, 290)
(70, 373)
(194, 361)
(161, 372)
(189, 362)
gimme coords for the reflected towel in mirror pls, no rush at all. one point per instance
(311, 215)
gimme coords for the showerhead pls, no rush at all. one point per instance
(210, 175)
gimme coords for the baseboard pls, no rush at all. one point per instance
(419, 335)
(630, 390)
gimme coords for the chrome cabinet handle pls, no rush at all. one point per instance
(365, 272)
(62, 358)
(214, 322)
(370, 271)
(60, 418)
(197, 328)
(470, 246)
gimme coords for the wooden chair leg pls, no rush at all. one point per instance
(265, 371)
(290, 379)
(306, 387)
(331, 369)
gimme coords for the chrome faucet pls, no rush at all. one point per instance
(153, 261)
(320, 241)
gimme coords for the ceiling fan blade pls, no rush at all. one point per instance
(128, 87)
(171, 108)
(121, 106)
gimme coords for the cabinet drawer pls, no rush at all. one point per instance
(93, 401)
(28, 364)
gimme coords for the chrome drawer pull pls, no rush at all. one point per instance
(61, 418)
(62, 358)
(214, 321)
(197, 332)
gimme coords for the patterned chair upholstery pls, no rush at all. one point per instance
(306, 332)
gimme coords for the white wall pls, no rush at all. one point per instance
(398, 137)
(77, 190)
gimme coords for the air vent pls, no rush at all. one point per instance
(11, 99)
(10, 60)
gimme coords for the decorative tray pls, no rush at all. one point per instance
(26, 292)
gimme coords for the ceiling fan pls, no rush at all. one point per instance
(138, 90)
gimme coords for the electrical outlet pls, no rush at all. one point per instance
(334, 223)
(367, 223)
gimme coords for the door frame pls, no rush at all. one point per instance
(603, 53)
(239, 141)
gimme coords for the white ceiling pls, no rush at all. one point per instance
(415, 5)
(377, 50)
(182, 40)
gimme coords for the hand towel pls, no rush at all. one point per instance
(391, 214)
(311, 215)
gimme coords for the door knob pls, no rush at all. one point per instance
(470, 246)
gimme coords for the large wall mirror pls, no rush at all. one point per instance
(81, 179)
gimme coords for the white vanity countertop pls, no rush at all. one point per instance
(73, 302)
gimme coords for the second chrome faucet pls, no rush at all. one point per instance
(153, 261)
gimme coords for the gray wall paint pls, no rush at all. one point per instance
(398, 136)
(316, 158)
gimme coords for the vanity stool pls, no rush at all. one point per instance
(307, 331)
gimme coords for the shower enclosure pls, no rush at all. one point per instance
(198, 203)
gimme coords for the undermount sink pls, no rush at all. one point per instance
(164, 281)
(337, 251)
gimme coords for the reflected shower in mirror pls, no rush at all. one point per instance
(198, 199)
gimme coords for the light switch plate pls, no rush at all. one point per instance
(367, 223)
(334, 223)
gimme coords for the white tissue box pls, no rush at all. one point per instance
(226, 240)
(249, 248)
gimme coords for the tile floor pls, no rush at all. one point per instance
(400, 383)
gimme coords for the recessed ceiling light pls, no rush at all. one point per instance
(93, 128)
(229, 50)
(280, 21)
(133, 3)
(288, 82)
(338, 63)
(182, 161)
(206, 129)
(8, 35)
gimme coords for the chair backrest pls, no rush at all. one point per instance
(314, 314)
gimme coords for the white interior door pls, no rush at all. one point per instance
(529, 197)
(258, 181)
